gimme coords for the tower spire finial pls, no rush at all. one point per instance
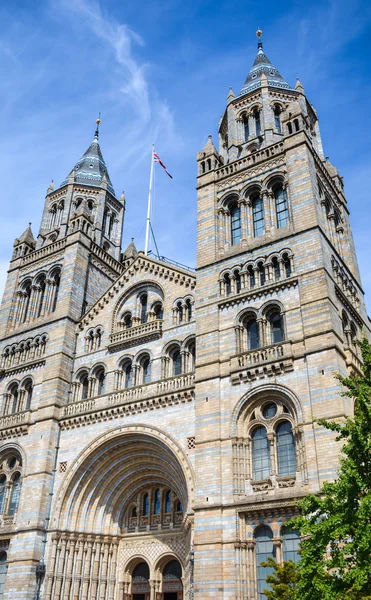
(259, 34)
(98, 122)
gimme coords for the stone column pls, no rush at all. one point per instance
(78, 572)
(86, 575)
(51, 570)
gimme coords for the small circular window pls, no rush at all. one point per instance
(269, 410)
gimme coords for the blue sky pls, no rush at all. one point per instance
(160, 72)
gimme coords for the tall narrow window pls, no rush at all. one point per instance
(159, 311)
(146, 366)
(251, 273)
(2, 493)
(261, 462)
(277, 120)
(3, 570)
(128, 375)
(28, 388)
(177, 362)
(282, 211)
(235, 223)
(246, 127)
(286, 451)
(168, 501)
(85, 386)
(42, 286)
(14, 395)
(276, 269)
(179, 307)
(227, 285)
(291, 542)
(57, 281)
(264, 550)
(261, 273)
(258, 215)
(101, 377)
(111, 224)
(27, 295)
(276, 326)
(157, 503)
(143, 308)
(127, 321)
(257, 122)
(145, 505)
(14, 494)
(287, 265)
(189, 309)
(104, 223)
(237, 279)
(252, 331)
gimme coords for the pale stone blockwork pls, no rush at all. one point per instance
(129, 469)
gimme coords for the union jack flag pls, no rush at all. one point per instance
(157, 159)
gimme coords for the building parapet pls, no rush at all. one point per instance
(263, 362)
(43, 252)
(138, 334)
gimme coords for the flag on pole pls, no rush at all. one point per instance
(157, 159)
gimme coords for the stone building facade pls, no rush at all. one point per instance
(128, 467)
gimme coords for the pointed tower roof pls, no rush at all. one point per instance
(91, 168)
(261, 65)
(27, 236)
(131, 251)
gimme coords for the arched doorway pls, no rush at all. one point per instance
(172, 586)
(140, 588)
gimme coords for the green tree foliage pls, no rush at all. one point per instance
(336, 549)
(283, 581)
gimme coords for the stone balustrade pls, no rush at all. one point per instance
(138, 334)
(267, 361)
(42, 252)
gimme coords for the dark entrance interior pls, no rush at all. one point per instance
(139, 597)
(170, 596)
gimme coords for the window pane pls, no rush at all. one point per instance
(258, 216)
(281, 207)
(145, 505)
(291, 541)
(276, 328)
(143, 308)
(168, 502)
(261, 462)
(264, 550)
(15, 493)
(146, 371)
(246, 128)
(3, 569)
(128, 376)
(235, 224)
(252, 330)
(2, 493)
(257, 123)
(286, 451)
(157, 504)
(177, 363)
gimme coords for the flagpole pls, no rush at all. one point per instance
(149, 203)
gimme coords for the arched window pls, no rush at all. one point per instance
(246, 127)
(277, 120)
(251, 273)
(134, 512)
(14, 398)
(159, 311)
(264, 550)
(3, 570)
(14, 494)
(143, 308)
(146, 368)
(128, 371)
(261, 461)
(289, 128)
(235, 212)
(261, 273)
(291, 542)
(127, 321)
(101, 379)
(276, 327)
(111, 224)
(84, 381)
(287, 265)
(252, 332)
(104, 223)
(188, 307)
(227, 285)
(2, 493)
(258, 215)
(42, 287)
(296, 124)
(27, 295)
(276, 269)
(140, 585)
(237, 279)
(178, 506)
(282, 210)
(257, 122)
(28, 389)
(286, 450)
(145, 505)
(168, 501)
(176, 359)
(179, 307)
(157, 502)
(56, 281)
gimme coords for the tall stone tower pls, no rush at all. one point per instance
(51, 282)
(279, 306)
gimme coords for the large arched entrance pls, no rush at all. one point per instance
(125, 501)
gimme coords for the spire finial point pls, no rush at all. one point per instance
(29, 224)
(98, 122)
(259, 34)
